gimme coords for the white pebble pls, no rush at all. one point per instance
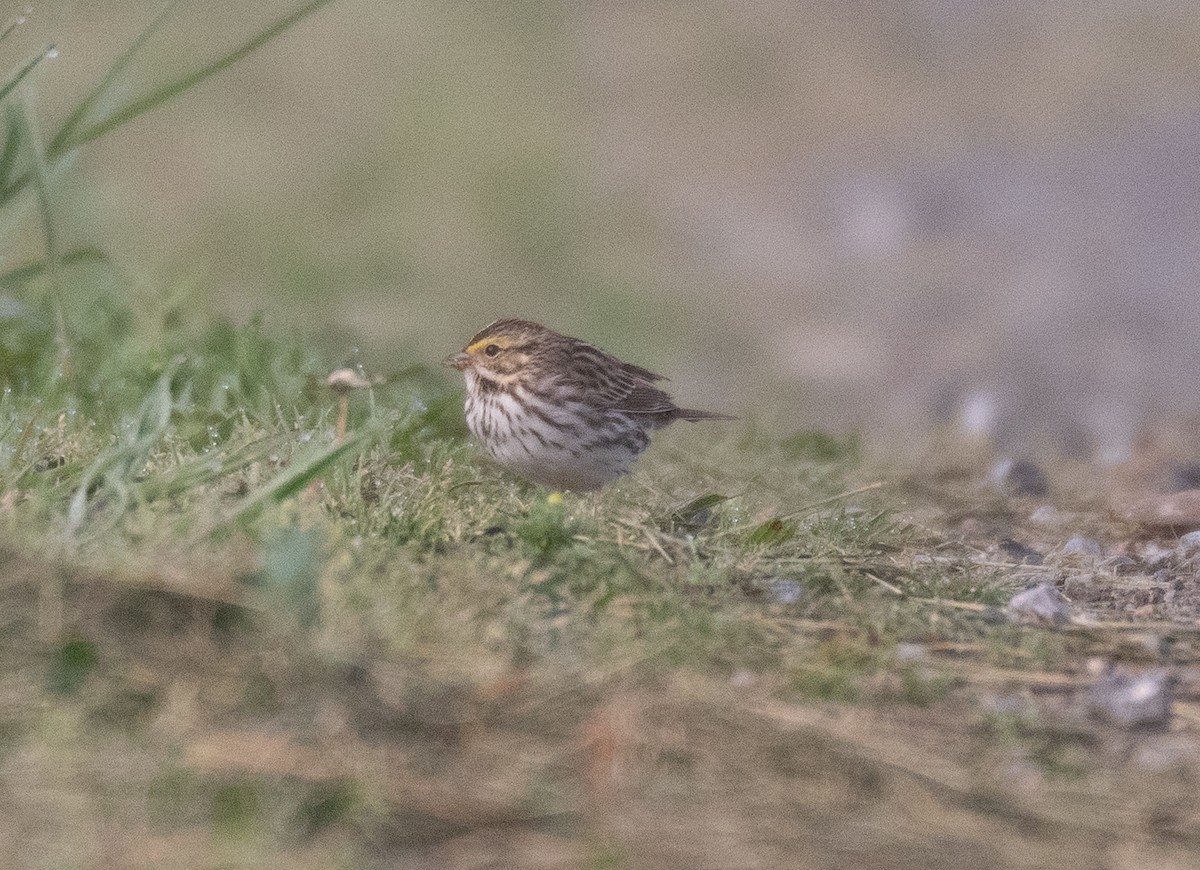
(1041, 605)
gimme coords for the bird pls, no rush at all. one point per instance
(558, 411)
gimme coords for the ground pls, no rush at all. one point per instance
(233, 637)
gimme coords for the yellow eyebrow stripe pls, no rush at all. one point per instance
(484, 342)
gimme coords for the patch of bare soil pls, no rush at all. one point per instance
(199, 736)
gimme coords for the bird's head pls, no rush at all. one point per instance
(501, 351)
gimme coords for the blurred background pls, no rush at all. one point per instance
(840, 213)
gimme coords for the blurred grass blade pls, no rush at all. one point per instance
(13, 23)
(29, 271)
(65, 132)
(696, 511)
(115, 468)
(773, 531)
(201, 470)
(67, 139)
(302, 470)
(841, 496)
(20, 117)
(41, 180)
(8, 86)
(12, 148)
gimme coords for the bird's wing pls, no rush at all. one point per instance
(606, 382)
(644, 399)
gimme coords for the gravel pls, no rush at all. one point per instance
(1084, 548)
(1041, 605)
(1133, 701)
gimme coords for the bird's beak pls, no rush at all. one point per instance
(458, 361)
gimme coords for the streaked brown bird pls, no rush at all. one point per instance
(558, 411)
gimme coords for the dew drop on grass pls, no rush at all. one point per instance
(51, 53)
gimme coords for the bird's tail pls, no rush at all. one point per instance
(692, 415)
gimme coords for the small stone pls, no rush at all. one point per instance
(1151, 643)
(993, 615)
(1189, 545)
(1048, 516)
(1164, 753)
(1154, 554)
(1005, 704)
(1176, 510)
(1022, 479)
(786, 590)
(1019, 552)
(1184, 476)
(742, 679)
(1139, 701)
(1084, 548)
(1040, 605)
(1083, 587)
(911, 652)
(1122, 565)
(1096, 666)
(977, 415)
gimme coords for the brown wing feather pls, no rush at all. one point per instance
(645, 399)
(604, 381)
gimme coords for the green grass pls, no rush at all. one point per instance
(189, 491)
(231, 621)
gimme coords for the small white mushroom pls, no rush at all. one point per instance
(342, 382)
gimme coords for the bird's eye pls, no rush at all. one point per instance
(492, 349)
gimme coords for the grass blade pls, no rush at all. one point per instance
(69, 137)
(20, 119)
(116, 467)
(12, 24)
(12, 147)
(200, 471)
(66, 141)
(57, 144)
(7, 88)
(29, 271)
(41, 178)
(303, 470)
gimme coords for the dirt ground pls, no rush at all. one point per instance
(200, 738)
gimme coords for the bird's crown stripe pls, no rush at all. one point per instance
(499, 341)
